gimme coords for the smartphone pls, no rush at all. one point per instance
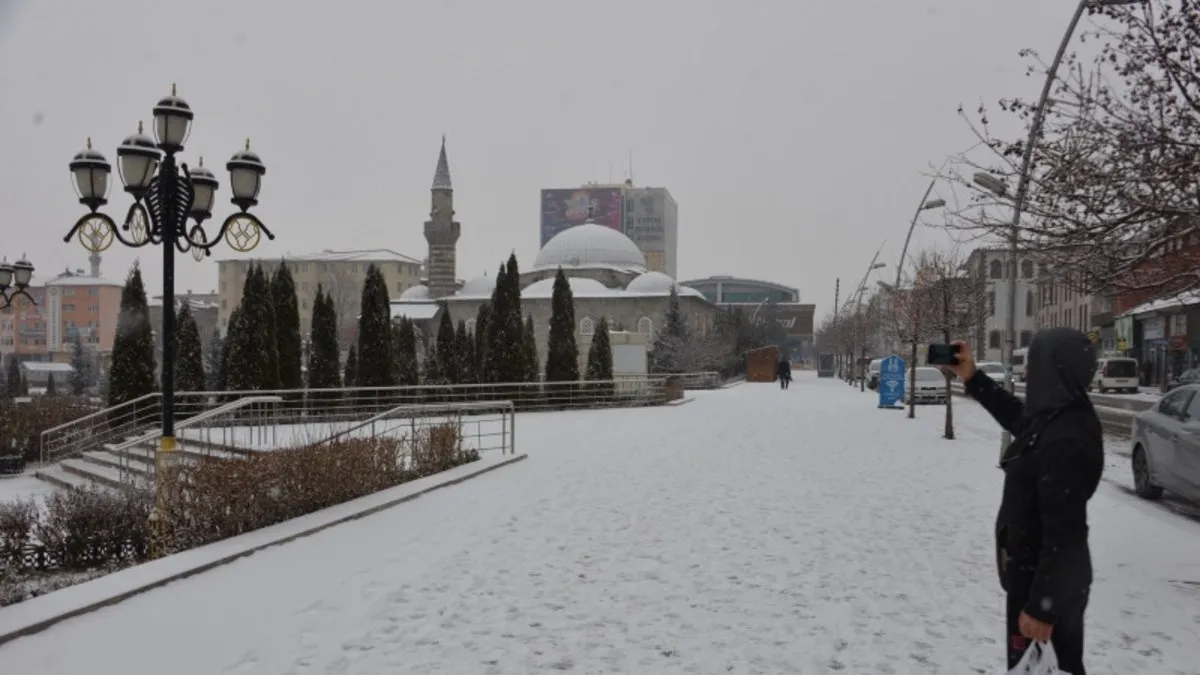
(943, 355)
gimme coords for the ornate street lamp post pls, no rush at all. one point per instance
(165, 195)
(17, 277)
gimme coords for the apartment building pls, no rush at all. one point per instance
(340, 273)
(1062, 301)
(991, 266)
(77, 305)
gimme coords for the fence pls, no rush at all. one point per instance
(342, 406)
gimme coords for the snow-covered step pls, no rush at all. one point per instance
(118, 462)
(101, 475)
(56, 475)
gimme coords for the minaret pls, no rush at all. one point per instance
(442, 231)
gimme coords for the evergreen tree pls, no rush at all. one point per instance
(375, 348)
(231, 335)
(483, 318)
(562, 353)
(81, 370)
(447, 352)
(464, 352)
(671, 340)
(599, 360)
(253, 363)
(533, 370)
(408, 371)
(133, 363)
(324, 367)
(51, 389)
(213, 353)
(24, 386)
(189, 355)
(264, 312)
(12, 380)
(350, 379)
(496, 312)
(288, 342)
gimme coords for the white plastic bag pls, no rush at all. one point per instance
(1039, 659)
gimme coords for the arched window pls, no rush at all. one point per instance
(1028, 303)
(470, 325)
(1027, 269)
(587, 326)
(994, 340)
(1026, 338)
(645, 326)
(997, 269)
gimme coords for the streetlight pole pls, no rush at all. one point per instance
(17, 277)
(1018, 202)
(165, 194)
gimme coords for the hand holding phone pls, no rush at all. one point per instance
(943, 354)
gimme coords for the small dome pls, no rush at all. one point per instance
(418, 292)
(657, 283)
(580, 287)
(688, 291)
(479, 286)
(590, 245)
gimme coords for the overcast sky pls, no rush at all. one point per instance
(794, 134)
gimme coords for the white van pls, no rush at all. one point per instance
(1118, 373)
(1019, 363)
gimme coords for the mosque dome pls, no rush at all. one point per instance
(418, 292)
(590, 245)
(580, 287)
(479, 286)
(657, 283)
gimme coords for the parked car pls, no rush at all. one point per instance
(928, 386)
(1118, 373)
(992, 369)
(873, 374)
(1019, 363)
(1166, 446)
(1191, 376)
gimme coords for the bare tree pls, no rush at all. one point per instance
(954, 303)
(1115, 179)
(908, 323)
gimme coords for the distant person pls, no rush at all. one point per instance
(1051, 470)
(784, 372)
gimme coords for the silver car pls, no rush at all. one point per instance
(1166, 446)
(929, 386)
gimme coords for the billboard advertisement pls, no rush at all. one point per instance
(564, 209)
(646, 218)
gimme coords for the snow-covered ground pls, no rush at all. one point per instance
(23, 487)
(749, 531)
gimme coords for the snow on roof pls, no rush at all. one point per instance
(1162, 304)
(418, 292)
(46, 367)
(658, 283)
(580, 288)
(329, 255)
(478, 287)
(73, 279)
(415, 311)
(592, 245)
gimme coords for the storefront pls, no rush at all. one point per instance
(1154, 350)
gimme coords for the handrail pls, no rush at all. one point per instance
(102, 413)
(507, 406)
(201, 417)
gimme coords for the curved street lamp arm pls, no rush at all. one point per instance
(913, 225)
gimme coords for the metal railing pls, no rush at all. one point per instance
(137, 417)
(482, 426)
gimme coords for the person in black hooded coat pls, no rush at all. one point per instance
(783, 372)
(1051, 470)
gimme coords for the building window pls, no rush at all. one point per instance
(1028, 303)
(1027, 269)
(1026, 338)
(69, 307)
(992, 303)
(997, 269)
(645, 325)
(994, 340)
(587, 326)
(93, 292)
(470, 325)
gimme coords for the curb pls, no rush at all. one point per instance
(448, 478)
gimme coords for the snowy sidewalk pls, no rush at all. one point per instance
(750, 531)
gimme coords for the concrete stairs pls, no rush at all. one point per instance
(116, 468)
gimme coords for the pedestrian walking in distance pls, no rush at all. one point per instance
(784, 372)
(1051, 470)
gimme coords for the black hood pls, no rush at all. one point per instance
(1058, 370)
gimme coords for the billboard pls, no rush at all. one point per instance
(646, 218)
(564, 209)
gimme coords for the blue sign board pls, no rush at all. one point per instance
(891, 381)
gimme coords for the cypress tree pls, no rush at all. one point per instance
(447, 353)
(483, 318)
(464, 353)
(51, 389)
(213, 353)
(533, 370)
(497, 310)
(264, 312)
(351, 376)
(189, 355)
(324, 368)
(512, 366)
(227, 343)
(288, 342)
(408, 372)
(562, 353)
(12, 379)
(253, 363)
(133, 363)
(664, 357)
(376, 352)
(80, 370)
(599, 360)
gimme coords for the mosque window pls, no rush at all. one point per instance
(470, 325)
(587, 326)
(645, 326)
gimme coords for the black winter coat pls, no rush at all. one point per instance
(784, 370)
(1052, 469)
